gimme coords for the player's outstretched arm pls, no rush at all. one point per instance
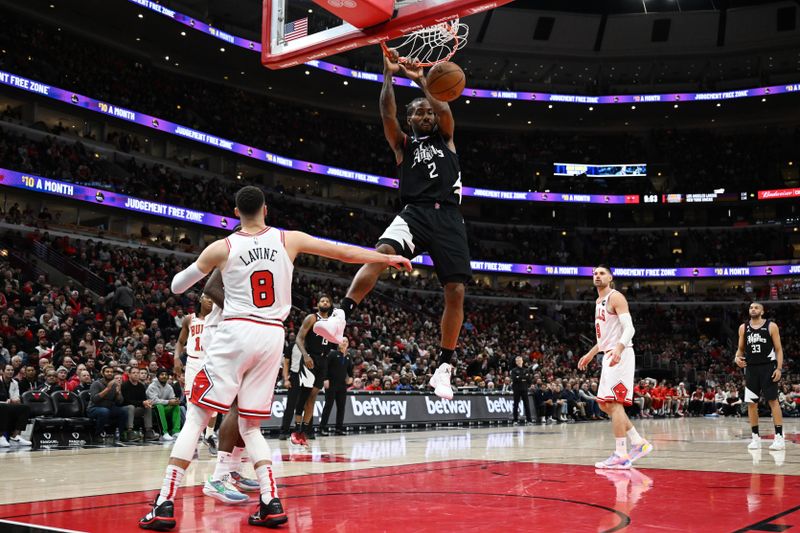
(298, 242)
(388, 105)
(214, 256)
(447, 124)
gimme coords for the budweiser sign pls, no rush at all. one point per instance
(778, 193)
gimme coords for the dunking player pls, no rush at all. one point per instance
(245, 354)
(315, 356)
(614, 331)
(430, 188)
(760, 353)
(189, 341)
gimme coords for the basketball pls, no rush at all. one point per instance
(446, 81)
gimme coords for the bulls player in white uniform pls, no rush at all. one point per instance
(247, 349)
(614, 331)
(191, 340)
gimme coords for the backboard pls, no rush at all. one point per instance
(298, 31)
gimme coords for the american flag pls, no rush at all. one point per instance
(295, 30)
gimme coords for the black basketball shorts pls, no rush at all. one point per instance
(320, 369)
(758, 383)
(439, 231)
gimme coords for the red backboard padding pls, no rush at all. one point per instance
(360, 13)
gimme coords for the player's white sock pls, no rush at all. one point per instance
(209, 431)
(238, 455)
(622, 447)
(269, 488)
(224, 466)
(636, 439)
(172, 480)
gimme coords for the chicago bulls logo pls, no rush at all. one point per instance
(620, 392)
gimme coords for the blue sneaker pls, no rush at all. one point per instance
(640, 450)
(615, 462)
(244, 484)
(224, 491)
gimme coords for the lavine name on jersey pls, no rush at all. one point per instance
(267, 254)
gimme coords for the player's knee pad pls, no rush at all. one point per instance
(255, 444)
(196, 421)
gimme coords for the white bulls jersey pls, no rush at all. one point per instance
(258, 277)
(214, 317)
(607, 326)
(194, 345)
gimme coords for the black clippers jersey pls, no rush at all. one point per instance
(758, 347)
(316, 345)
(429, 173)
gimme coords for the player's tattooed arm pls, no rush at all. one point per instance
(214, 288)
(308, 323)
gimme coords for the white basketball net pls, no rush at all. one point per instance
(433, 44)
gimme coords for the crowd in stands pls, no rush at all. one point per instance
(72, 162)
(691, 160)
(61, 338)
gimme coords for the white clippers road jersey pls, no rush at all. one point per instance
(257, 277)
(194, 347)
(607, 326)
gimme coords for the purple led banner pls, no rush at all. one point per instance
(39, 184)
(200, 26)
(482, 93)
(208, 139)
(30, 182)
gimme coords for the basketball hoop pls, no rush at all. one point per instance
(431, 45)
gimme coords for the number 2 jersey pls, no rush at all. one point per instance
(257, 277)
(758, 346)
(430, 172)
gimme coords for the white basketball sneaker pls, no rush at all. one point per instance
(755, 443)
(332, 328)
(778, 443)
(440, 381)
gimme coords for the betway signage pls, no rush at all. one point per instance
(399, 408)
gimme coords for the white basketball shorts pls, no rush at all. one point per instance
(616, 382)
(242, 361)
(193, 366)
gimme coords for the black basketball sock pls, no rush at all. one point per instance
(446, 356)
(754, 429)
(348, 306)
(778, 430)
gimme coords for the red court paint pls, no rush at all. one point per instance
(467, 496)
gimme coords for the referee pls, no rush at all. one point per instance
(340, 376)
(521, 383)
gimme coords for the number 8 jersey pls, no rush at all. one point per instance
(257, 277)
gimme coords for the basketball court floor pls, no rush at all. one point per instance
(701, 477)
